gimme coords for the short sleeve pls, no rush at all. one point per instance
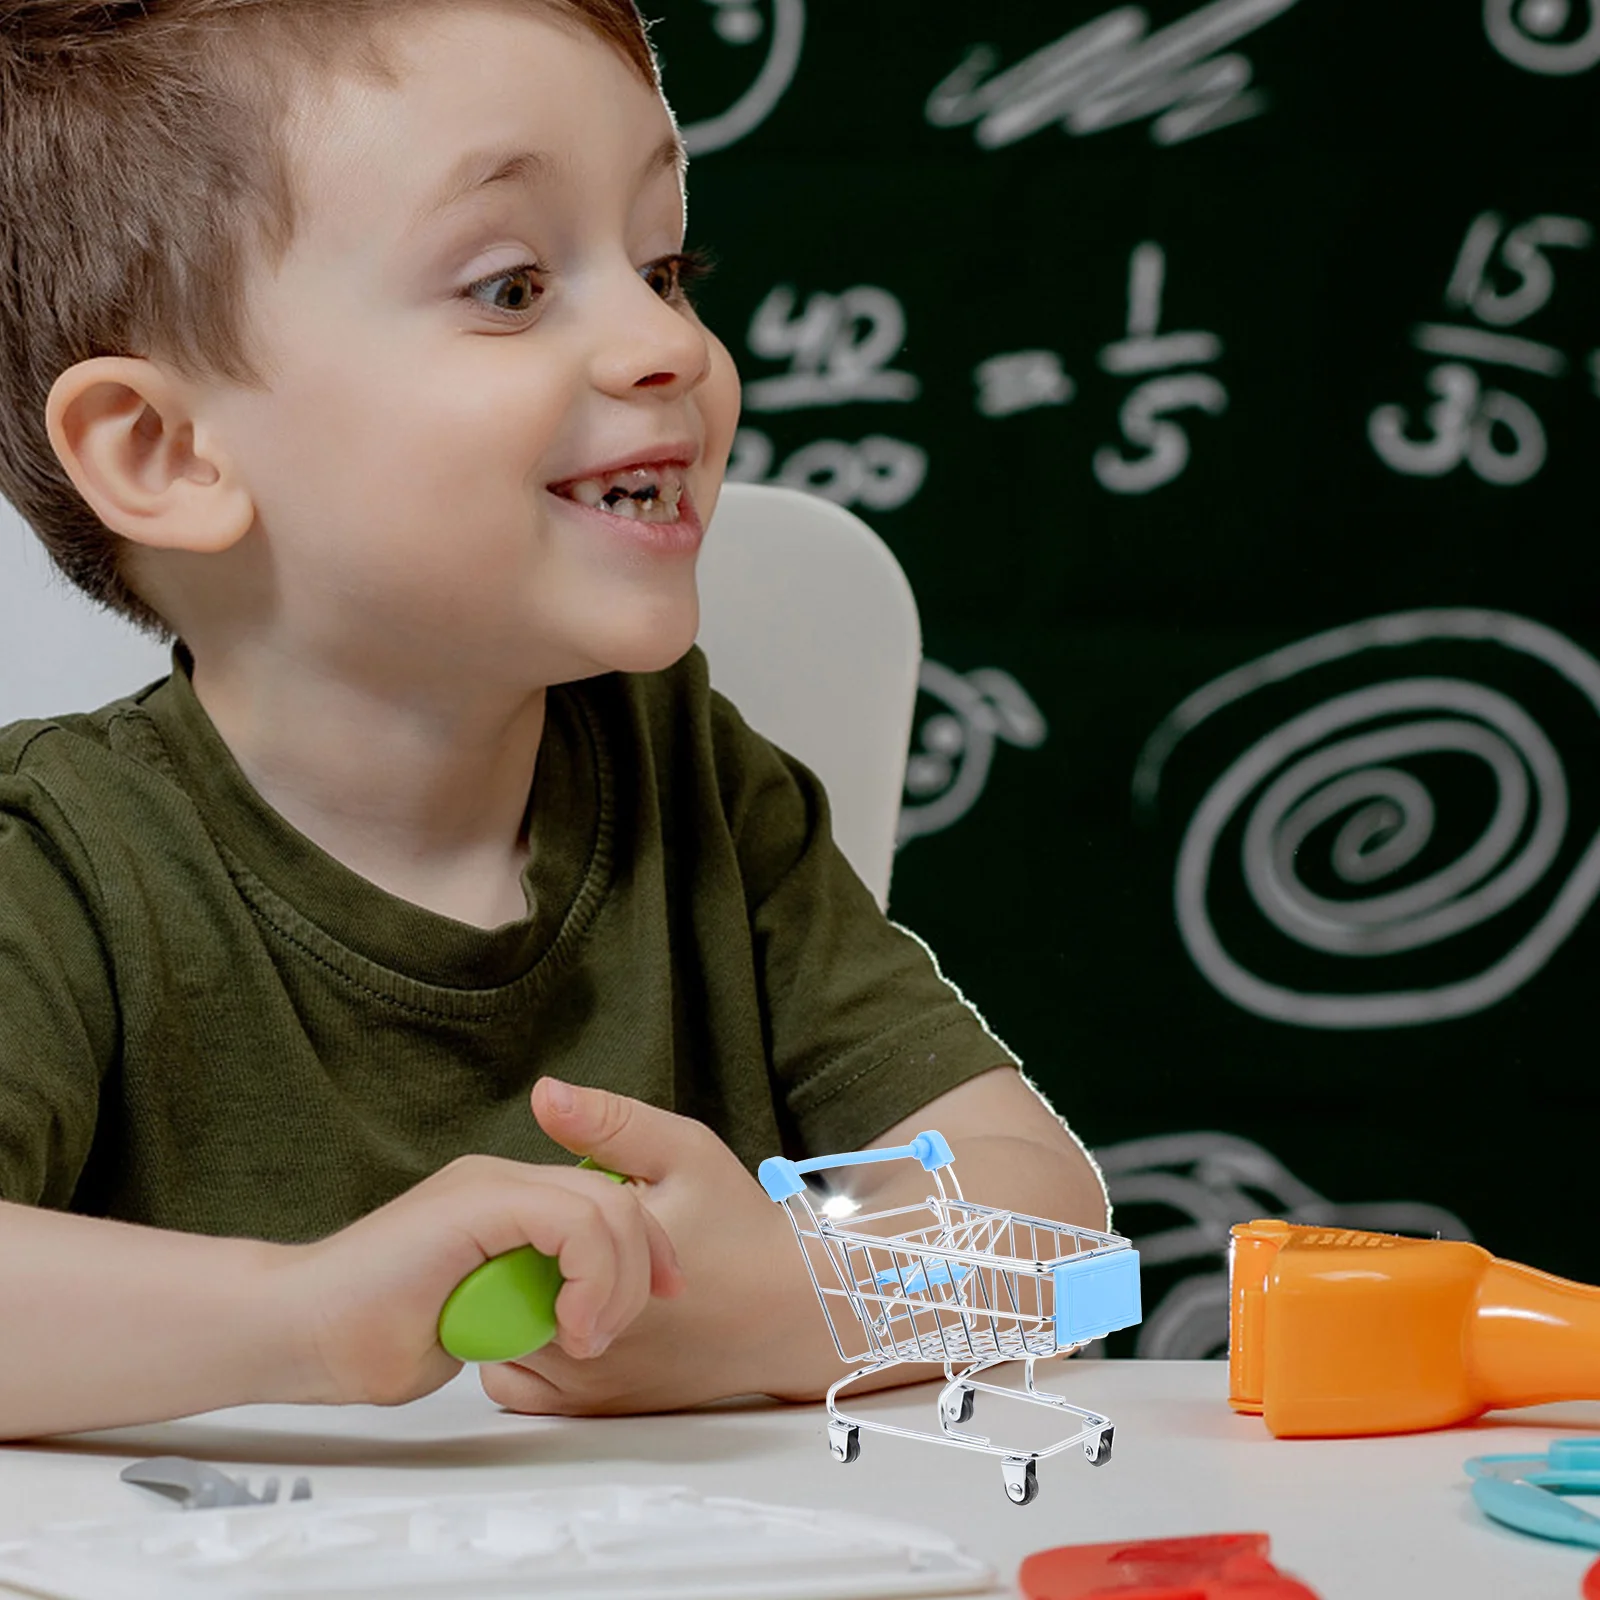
(864, 1029)
(57, 1006)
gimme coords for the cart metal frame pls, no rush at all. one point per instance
(966, 1285)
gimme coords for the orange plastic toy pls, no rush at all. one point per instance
(1337, 1332)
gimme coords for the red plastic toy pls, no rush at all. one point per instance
(1212, 1566)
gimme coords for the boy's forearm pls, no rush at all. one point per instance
(1020, 1174)
(104, 1324)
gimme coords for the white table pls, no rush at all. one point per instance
(1361, 1519)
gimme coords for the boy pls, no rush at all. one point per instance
(348, 343)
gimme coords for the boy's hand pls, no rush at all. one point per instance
(373, 1291)
(748, 1322)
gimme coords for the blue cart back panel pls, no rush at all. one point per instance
(1096, 1295)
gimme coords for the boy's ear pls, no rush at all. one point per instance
(124, 431)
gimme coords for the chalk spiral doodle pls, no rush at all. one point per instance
(1526, 33)
(739, 23)
(1341, 759)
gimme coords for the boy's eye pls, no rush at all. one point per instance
(522, 295)
(516, 291)
(672, 277)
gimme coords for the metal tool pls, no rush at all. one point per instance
(199, 1487)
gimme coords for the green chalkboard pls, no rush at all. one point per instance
(1226, 377)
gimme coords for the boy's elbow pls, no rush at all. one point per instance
(1062, 1182)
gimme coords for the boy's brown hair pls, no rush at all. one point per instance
(143, 173)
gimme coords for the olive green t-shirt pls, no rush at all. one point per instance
(207, 1023)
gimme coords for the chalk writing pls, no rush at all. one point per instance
(1020, 380)
(838, 348)
(1112, 71)
(1155, 448)
(877, 472)
(1146, 413)
(1496, 433)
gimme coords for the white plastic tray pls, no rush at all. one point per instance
(612, 1542)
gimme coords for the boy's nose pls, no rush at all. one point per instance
(649, 343)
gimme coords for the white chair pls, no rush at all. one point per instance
(811, 629)
(806, 618)
(58, 650)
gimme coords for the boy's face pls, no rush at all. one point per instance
(433, 397)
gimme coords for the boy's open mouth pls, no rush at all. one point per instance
(641, 494)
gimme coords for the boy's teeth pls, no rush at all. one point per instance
(642, 494)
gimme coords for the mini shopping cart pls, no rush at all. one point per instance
(962, 1284)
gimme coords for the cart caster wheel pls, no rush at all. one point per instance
(958, 1405)
(844, 1440)
(1098, 1450)
(1022, 1481)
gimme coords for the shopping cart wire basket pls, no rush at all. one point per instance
(962, 1284)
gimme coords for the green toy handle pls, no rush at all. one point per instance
(506, 1309)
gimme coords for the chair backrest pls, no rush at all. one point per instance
(58, 651)
(806, 618)
(811, 629)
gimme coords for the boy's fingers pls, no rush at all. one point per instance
(596, 1236)
(666, 1273)
(643, 1256)
(573, 1216)
(612, 1258)
(644, 1264)
(591, 1255)
(623, 1135)
(519, 1388)
(599, 1291)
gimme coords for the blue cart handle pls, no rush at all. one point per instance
(781, 1178)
